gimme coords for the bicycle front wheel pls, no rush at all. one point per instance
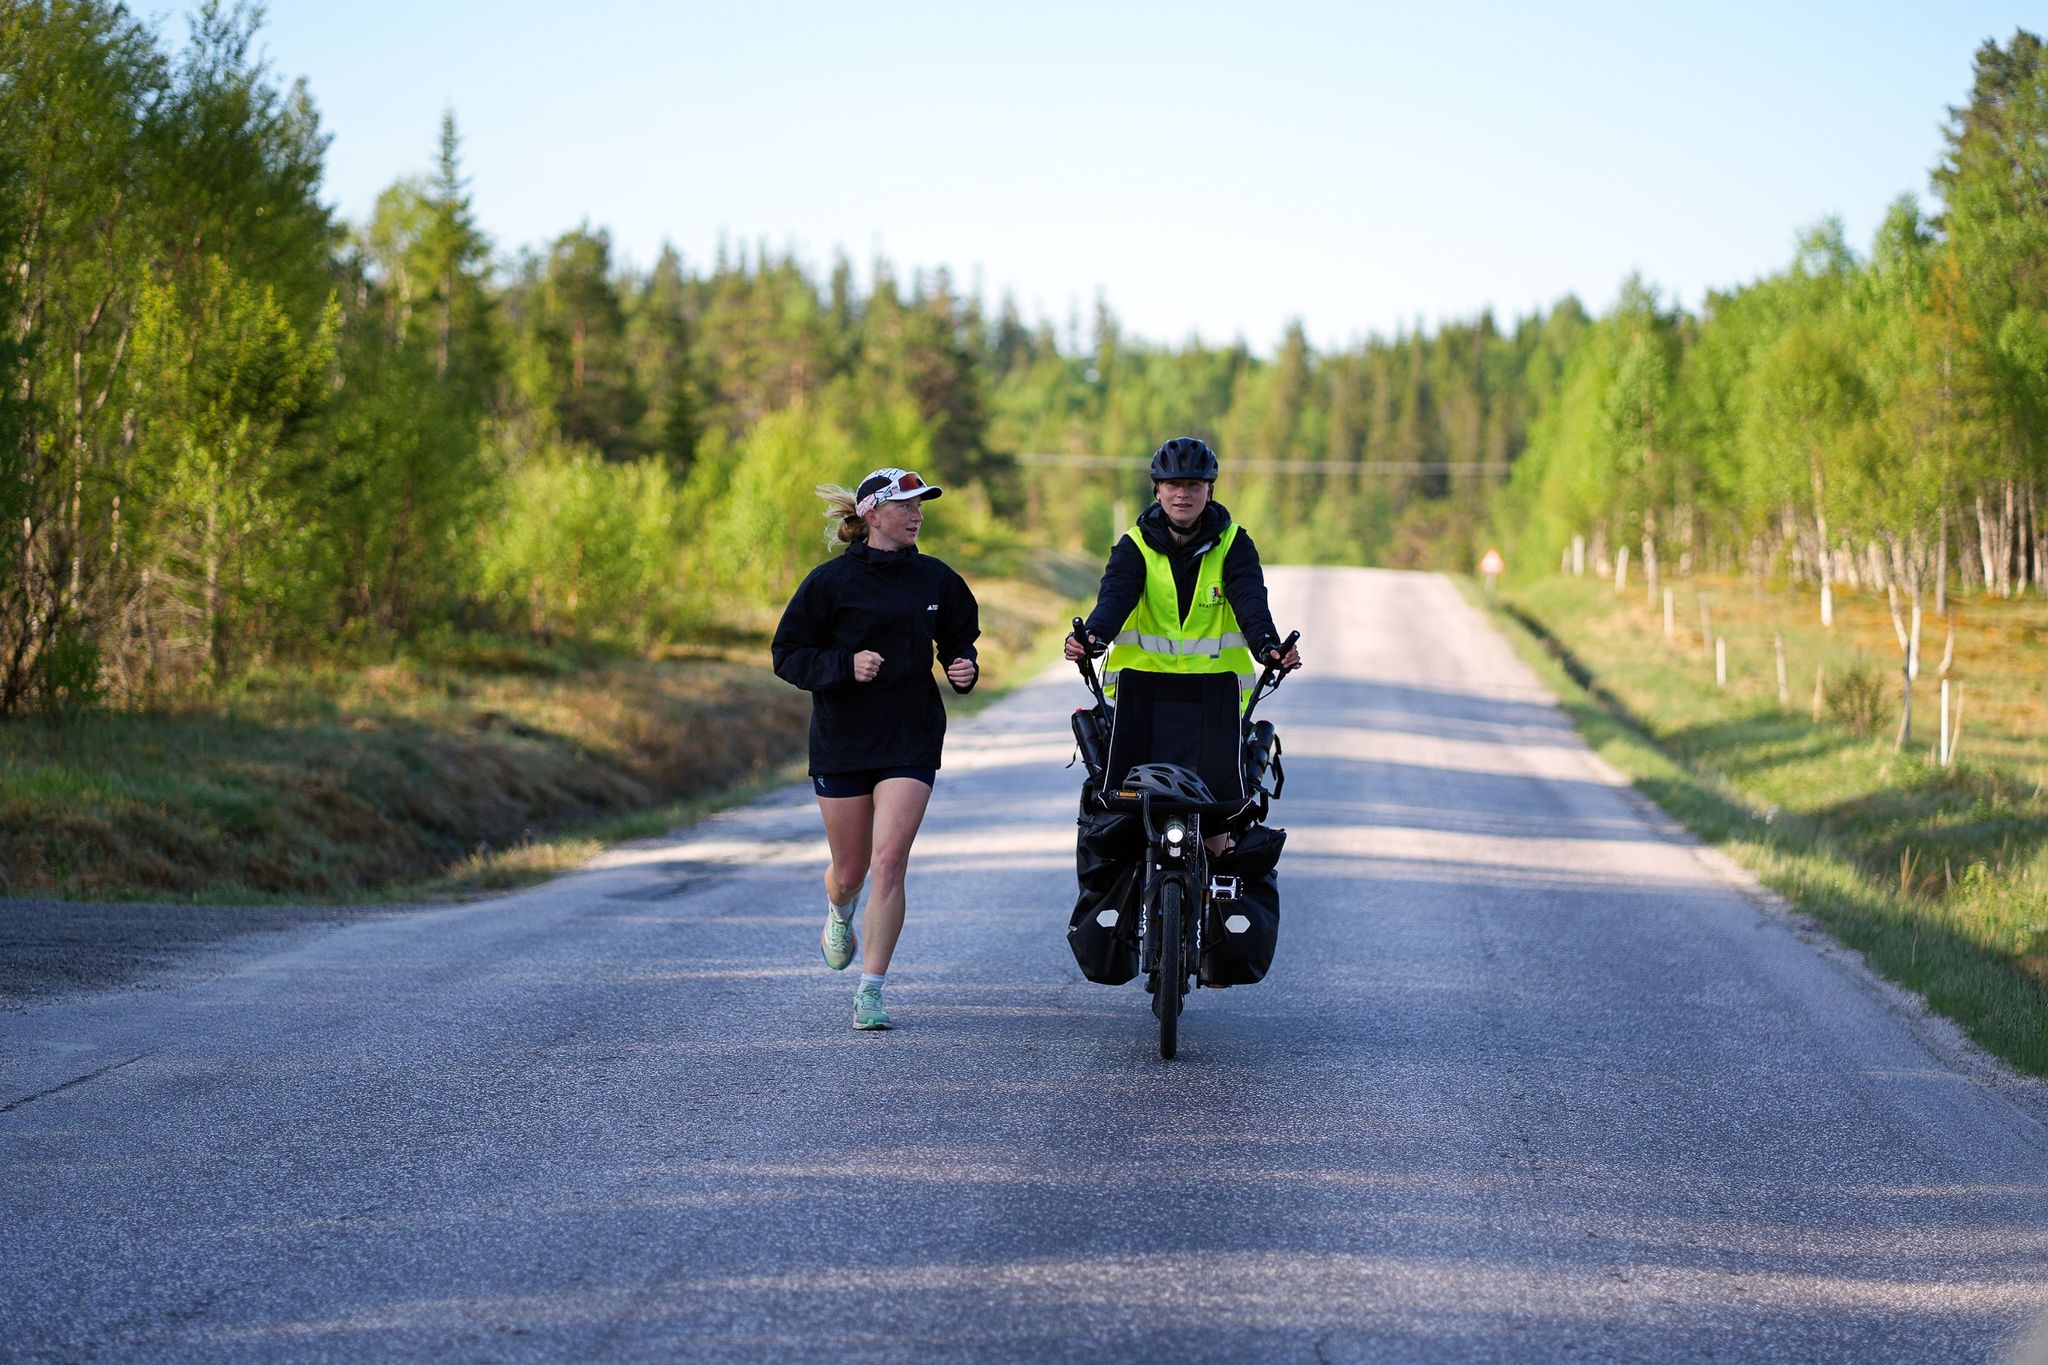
(1173, 976)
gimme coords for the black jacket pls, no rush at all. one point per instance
(898, 603)
(1244, 580)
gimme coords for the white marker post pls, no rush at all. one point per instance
(1943, 752)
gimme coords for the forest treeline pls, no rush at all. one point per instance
(235, 430)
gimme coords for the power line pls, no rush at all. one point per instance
(1497, 469)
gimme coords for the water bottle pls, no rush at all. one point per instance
(1088, 735)
(1260, 748)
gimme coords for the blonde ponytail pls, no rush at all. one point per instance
(843, 525)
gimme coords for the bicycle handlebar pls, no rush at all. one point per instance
(1087, 664)
(1264, 687)
(1269, 680)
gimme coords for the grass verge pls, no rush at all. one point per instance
(373, 783)
(1938, 876)
(457, 770)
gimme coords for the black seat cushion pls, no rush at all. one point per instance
(1186, 718)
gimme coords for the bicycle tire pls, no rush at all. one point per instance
(1173, 977)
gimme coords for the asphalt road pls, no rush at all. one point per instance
(1534, 1077)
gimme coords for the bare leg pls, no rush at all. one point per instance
(849, 833)
(899, 810)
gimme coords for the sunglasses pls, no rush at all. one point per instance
(909, 483)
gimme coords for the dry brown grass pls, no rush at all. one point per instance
(471, 766)
(2000, 663)
(338, 785)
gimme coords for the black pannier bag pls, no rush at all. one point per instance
(1239, 939)
(1103, 933)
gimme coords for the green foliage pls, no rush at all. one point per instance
(18, 456)
(260, 439)
(766, 529)
(232, 381)
(67, 675)
(572, 363)
(582, 546)
(1857, 701)
(1844, 417)
(1994, 186)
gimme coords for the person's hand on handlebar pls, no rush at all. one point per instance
(1287, 662)
(1074, 648)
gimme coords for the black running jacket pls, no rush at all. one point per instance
(903, 605)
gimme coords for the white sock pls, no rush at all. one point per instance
(843, 911)
(874, 979)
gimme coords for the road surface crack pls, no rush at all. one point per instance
(75, 1080)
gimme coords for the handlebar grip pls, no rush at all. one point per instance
(1282, 649)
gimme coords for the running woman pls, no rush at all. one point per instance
(859, 636)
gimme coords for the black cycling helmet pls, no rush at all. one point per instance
(1184, 457)
(1167, 780)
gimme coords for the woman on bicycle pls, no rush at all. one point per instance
(859, 636)
(1184, 591)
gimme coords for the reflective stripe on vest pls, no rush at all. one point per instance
(1156, 640)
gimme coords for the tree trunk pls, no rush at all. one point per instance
(216, 632)
(1905, 716)
(1941, 568)
(2007, 526)
(447, 322)
(1826, 555)
(1985, 539)
(1650, 553)
(2031, 546)
(75, 526)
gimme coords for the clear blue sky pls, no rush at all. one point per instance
(1211, 169)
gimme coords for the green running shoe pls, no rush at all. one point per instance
(837, 941)
(867, 1009)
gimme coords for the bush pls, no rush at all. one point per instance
(1858, 701)
(67, 675)
(585, 547)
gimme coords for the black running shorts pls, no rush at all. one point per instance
(863, 783)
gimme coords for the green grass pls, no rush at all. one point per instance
(1939, 876)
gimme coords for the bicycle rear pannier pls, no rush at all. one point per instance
(1103, 932)
(1239, 940)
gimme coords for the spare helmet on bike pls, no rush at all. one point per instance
(1184, 457)
(1168, 781)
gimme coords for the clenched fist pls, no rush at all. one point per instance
(962, 672)
(866, 665)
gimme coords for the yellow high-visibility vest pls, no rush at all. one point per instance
(1156, 640)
